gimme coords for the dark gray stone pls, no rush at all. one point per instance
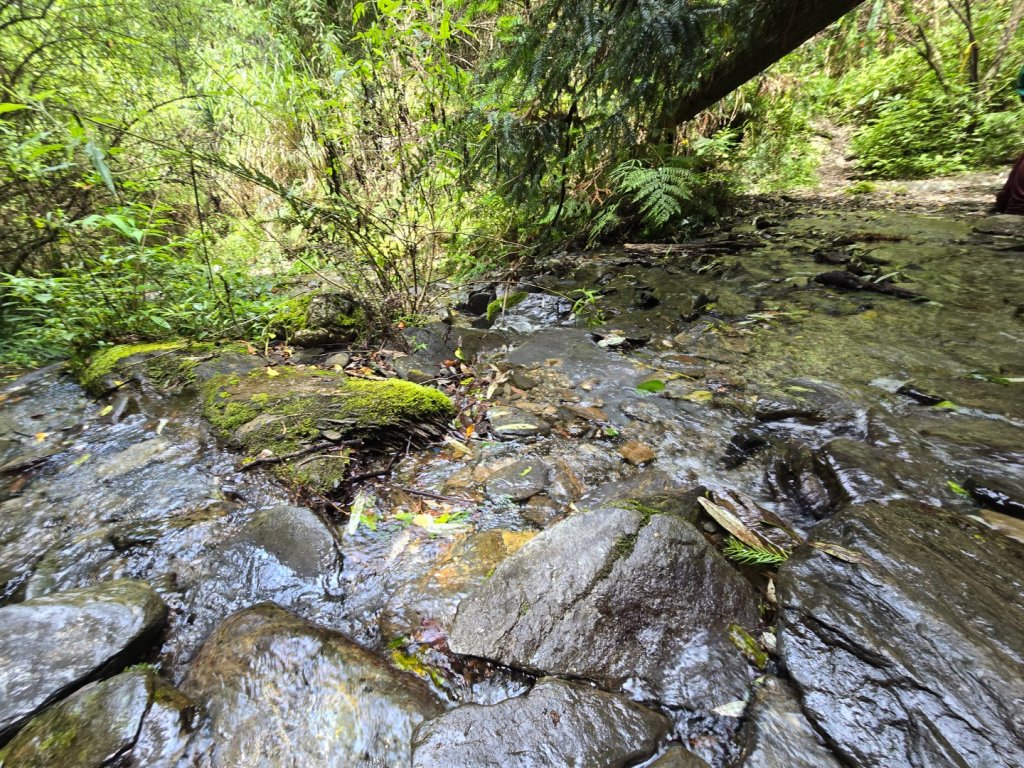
(556, 724)
(295, 536)
(616, 596)
(777, 733)
(913, 656)
(282, 692)
(105, 721)
(54, 644)
(518, 481)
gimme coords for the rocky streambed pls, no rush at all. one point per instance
(757, 502)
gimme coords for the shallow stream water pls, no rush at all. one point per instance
(785, 390)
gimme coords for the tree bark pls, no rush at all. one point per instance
(764, 32)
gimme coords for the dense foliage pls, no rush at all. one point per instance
(181, 168)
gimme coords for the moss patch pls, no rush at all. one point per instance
(295, 408)
(100, 366)
(498, 306)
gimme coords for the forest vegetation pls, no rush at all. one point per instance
(181, 168)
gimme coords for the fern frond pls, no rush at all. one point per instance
(745, 554)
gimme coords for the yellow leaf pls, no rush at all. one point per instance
(81, 460)
(271, 372)
(423, 521)
(106, 410)
(40, 436)
(699, 396)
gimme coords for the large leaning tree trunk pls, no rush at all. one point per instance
(762, 31)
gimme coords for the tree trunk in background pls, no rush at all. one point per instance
(764, 32)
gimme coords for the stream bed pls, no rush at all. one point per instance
(547, 587)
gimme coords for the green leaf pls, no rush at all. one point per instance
(95, 154)
(654, 385)
(161, 322)
(958, 489)
(6, 107)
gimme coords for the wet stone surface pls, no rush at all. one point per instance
(556, 724)
(813, 401)
(56, 643)
(914, 655)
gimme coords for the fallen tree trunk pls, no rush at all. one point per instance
(764, 32)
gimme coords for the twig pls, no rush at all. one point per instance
(437, 496)
(296, 454)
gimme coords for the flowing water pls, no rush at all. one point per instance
(788, 391)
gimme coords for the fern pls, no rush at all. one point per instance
(745, 554)
(658, 192)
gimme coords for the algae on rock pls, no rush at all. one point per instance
(299, 408)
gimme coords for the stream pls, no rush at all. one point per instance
(543, 588)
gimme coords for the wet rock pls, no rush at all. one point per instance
(742, 446)
(432, 599)
(532, 312)
(804, 400)
(804, 479)
(134, 717)
(429, 347)
(777, 733)
(518, 481)
(282, 692)
(556, 724)
(691, 306)
(861, 471)
(295, 536)
(1003, 494)
(1004, 225)
(55, 643)
(913, 656)
(678, 757)
(644, 605)
(135, 457)
(637, 453)
(649, 482)
(515, 422)
(541, 511)
(477, 301)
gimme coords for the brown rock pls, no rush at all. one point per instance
(637, 453)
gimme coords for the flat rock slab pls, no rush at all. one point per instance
(778, 734)
(913, 656)
(134, 716)
(556, 725)
(518, 481)
(620, 597)
(515, 422)
(53, 644)
(282, 692)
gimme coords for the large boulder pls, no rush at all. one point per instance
(907, 644)
(556, 724)
(620, 596)
(134, 717)
(282, 692)
(54, 644)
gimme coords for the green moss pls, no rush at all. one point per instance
(286, 412)
(103, 363)
(507, 302)
(748, 646)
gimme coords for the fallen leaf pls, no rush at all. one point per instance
(107, 409)
(271, 372)
(160, 426)
(40, 436)
(839, 553)
(699, 396)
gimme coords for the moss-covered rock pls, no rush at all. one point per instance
(283, 411)
(499, 305)
(165, 366)
(331, 318)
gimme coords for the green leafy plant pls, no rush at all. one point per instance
(746, 554)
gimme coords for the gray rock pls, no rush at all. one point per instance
(515, 422)
(340, 359)
(104, 721)
(295, 536)
(535, 311)
(805, 480)
(518, 481)
(331, 318)
(54, 644)
(556, 724)
(913, 656)
(644, 605)
(778, 734)
(1004, 225)
(282, 692)
(677, 757)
